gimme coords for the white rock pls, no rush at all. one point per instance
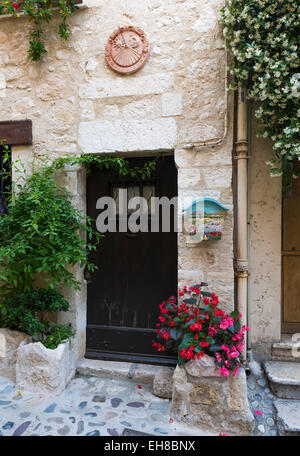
(218, 178)
(133, 135)
(156, 50)
(141, 109)
(211, 401)
(9, 344)
(23, 105)
(91, 64)
(2, 81)
(204, 367)
(62, 54)
(207, 20)
(163, 383)
(127, 86)
(171, 104)
(41, 370)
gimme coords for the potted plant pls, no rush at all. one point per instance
(196, 326)
(209, 383)
(44, 364)
(41, 240)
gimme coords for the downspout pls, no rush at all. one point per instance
(241, 262)
(249, 319)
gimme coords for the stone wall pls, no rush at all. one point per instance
(202, 398)
(78, 105)
(178, 96)
(264, 248)
(208, 173)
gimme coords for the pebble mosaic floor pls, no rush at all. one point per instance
(261, 399)
(92, 406)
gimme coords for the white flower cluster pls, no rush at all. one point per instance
(264, 37)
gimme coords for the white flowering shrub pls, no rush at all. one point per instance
(264, 37)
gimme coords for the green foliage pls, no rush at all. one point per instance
(41, 238)
(119, 165)
(194, 326)
(42, 235)
(21, 319)
(40, 12)
(57, 335)
(264, 37)
(23, 312)
(39, 300)
(36, 50)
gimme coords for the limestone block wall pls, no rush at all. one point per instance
(208, 173)
(264, 247)
(72, 95)
(79, 105)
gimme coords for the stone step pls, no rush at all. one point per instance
(139, 373)
(288, 417)
(284, 378)
(283, 350)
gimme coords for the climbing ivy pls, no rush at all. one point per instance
(40, 234)
(41, 12)
(41, 237)
(264, 37)
(119, 165)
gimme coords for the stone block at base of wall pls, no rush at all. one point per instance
(44, 371)
(163, 383)
(10, 341)
(203, 398)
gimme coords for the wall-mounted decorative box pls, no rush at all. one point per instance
(204, 220)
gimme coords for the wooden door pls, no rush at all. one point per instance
(137, 271)
(291, 261)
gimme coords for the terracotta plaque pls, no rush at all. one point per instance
(127, 50)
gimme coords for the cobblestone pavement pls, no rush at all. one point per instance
(89, 406)
(103, 407)
(261, 399)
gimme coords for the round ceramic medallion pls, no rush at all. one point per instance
(127, 50)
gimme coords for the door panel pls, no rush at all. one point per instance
(137, 271)
(291, 261)
(291, 268)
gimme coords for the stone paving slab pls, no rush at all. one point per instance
(90, 406)
(284, 378)
(110, 407)
(288, 417)
(286, 373)
(141, 373)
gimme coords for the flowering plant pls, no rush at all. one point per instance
(264, 37)
(194, 325)
(40, 11)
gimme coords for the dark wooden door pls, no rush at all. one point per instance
(137, 271)
(291, 261)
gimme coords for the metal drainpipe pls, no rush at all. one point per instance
(249, 322)
(241, 262)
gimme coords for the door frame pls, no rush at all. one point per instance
(286, 327)
(144, 359)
